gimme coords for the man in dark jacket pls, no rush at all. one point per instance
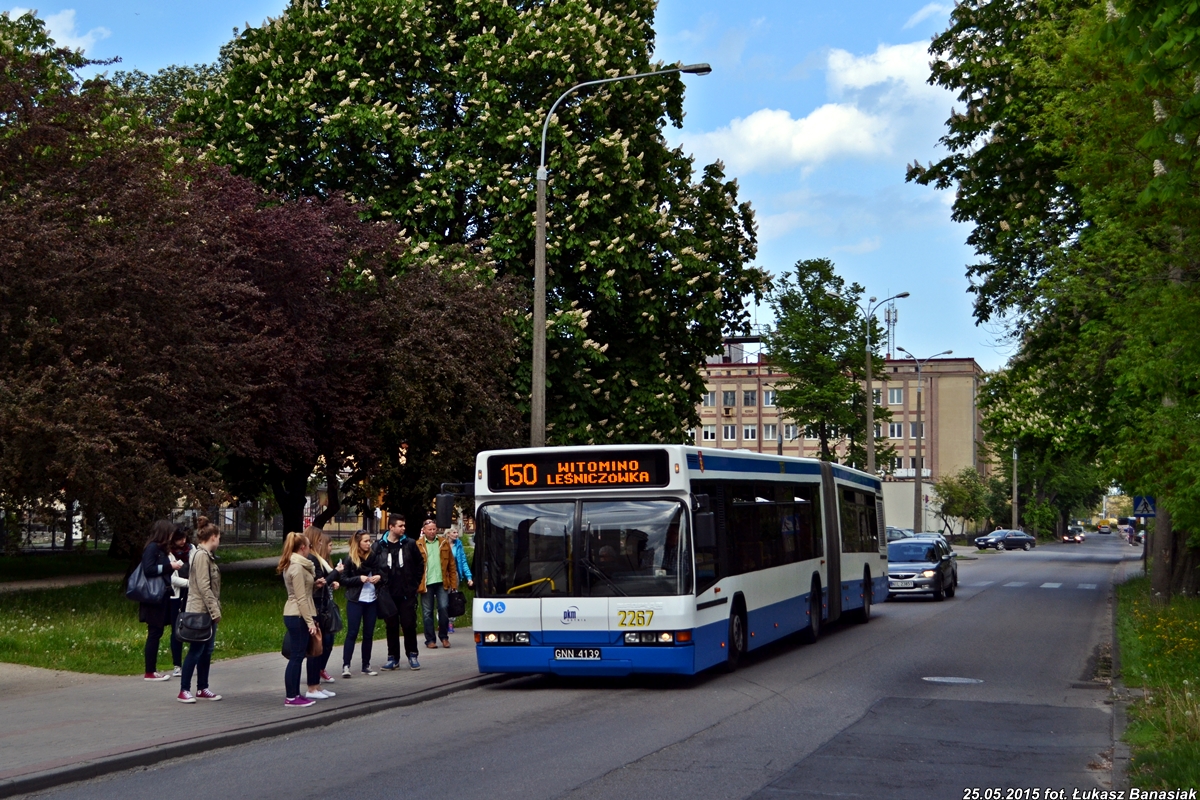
(402, 569)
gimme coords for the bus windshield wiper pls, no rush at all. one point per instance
(593, 569)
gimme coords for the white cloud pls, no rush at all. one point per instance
(905, 65)
(770, 138)
(867, 245)
(62, 29)
(926, 12)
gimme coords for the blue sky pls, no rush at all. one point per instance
(815, 107)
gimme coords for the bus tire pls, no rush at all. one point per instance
(736, 646)
(811, 632)
(864, 614)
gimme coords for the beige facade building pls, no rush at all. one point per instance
(738, 411)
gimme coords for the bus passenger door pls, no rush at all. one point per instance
(833, 543)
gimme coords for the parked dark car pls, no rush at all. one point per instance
(922, 566)
(1006, 540)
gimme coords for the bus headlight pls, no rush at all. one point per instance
(504, 637)
(632, 638)
(521, 638)
(490, 638)
(665, 638)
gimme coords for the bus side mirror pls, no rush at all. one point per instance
(705, 523)
(444, 505)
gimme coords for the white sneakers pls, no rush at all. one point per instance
(320, 694)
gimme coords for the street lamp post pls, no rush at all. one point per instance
(868, 311)
(918, 505)
(537, 422)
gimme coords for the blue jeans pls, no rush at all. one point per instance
(299, 636)
(199, 658)
(436, 592)
(356, 614)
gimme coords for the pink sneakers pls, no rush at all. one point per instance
(157, 676)
(299, 702)
(186, 697)
(206, 694)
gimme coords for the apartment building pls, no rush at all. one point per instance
(738, 411)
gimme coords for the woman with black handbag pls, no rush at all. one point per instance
(325, 582)
(299, 618)
(204, 598)
(157, 562)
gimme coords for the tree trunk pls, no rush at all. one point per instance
(333, 491)
(1162, 560)
(1185, 576)
(291, 493)
(255, 520)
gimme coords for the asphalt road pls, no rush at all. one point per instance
(852, 716)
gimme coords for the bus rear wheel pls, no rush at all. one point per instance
(811, 632)
(864, 613)
(737, 640)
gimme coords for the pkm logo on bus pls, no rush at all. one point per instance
(571, 615)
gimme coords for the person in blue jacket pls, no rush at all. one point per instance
(460, 559)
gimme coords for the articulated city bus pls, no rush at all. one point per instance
(665, 558)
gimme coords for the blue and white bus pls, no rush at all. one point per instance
(665, 558)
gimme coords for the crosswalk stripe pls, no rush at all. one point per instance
(983, 583)
(1015, 584)
(1051, 586)
(1087, 586)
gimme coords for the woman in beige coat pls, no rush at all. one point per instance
(204, 595)
(299, 617)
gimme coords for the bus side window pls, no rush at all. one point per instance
(708, 559)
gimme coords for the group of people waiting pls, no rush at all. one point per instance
(382, 579)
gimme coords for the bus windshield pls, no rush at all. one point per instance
(633, 548)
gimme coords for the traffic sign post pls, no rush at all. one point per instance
(1143, 506)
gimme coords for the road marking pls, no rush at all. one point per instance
(1051, 586)
(1015, 584)
(983, 583)
(952, 680)
(1087, 586)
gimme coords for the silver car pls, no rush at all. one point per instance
(922, 566)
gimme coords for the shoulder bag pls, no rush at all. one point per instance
(141, 589)
(193, 626)
(457, 605)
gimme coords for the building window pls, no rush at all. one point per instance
(728, 399)
(749, 433)
(878, 430)
(708, 433)
(789, 432)
(895, 397)
(897, 463)
(750, 398)
(768, 398)
(770, 432)
(810, 432)
(710, 398)
(729, 433)
(878, 395)
(895, 430)
(913, 430)
(912, 463)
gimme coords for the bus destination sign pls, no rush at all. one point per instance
(583, 469)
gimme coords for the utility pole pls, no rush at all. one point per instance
(1014, 500)
(918, 495)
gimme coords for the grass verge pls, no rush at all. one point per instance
(1160, 653)
(94, 629)
(36, 566)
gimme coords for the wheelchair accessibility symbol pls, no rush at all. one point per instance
(489, 607)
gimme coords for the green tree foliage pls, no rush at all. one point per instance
(818, 341)
(430, 111)
(1071, 154)
(963, 497)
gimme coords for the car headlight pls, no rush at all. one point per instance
(929, 573)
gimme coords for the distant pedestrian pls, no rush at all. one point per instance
(203, 596)
(299, 616)
(360, 574)
(324, 585)
(181, 548)
(460, 561)
(157, 561)
(441, 576)
(400, 559)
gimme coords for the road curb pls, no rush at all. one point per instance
(40, 781)
(1121, 754)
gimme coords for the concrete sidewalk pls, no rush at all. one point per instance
(60, 727)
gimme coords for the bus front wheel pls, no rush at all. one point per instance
(736, 646)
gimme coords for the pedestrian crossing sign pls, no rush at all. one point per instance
(1143, 506)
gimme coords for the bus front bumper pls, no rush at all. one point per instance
(613, 661)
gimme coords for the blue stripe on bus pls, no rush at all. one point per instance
(734, 464)
(862, 480)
